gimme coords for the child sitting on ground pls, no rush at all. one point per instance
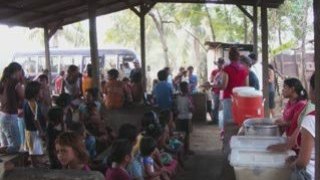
(184, 108)
(71, 151)
(147, 148)
(135, 168)
(90, 96)
(55, 127)
(34, 131)
(120, 157)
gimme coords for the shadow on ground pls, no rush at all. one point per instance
(208, 163)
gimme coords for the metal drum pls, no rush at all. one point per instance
(260, 127)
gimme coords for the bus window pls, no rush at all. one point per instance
(66, 61)
(54, 61)
(29, 64)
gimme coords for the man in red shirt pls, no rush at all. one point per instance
(216, 79)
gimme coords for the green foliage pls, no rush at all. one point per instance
(285, 46)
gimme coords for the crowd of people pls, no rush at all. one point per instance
(71, 127)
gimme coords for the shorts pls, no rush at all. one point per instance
(183, 125)
(33, 143)
(272, 104)
(209, 106)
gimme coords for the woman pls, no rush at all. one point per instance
(297, 100)
(12, 95)
(114, 91)
(305, 159)
(87, 81)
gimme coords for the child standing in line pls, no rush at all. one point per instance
(54, 129)
(120, 157)
(207, 90)
(184, 108)
(71, 152)
(34, 131)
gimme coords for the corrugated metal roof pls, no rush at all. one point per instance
(39, 13)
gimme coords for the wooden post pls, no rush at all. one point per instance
(93, 43)
(143, 47)
(47, 52)
(265, 60)
(316, 11)
(255, 30)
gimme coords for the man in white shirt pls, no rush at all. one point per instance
(256, 68)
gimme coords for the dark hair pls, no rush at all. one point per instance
(125, 79)
(72, 68)
(270, 66)
(149, 118)
(61, 73)
(113, 73)
(164, 117)
(312, 82)
(128, 131)
(120, 148)
(298, 88)
(234, 54)
(32, 90)
(89, 70)
(9, 70)
(246, 60)
(184, 87)
(91, 106)
(55, 115)
(74, 141)
(253, 56)
(162, 75)
(43, 77)
(190, 67)
(63, 100)
(147, 146)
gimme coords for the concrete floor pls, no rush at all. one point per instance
(208, 163)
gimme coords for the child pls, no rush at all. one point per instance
(184, 107)
(120, 157)
(91, 96)
(71, 151)
(135, 168)
(128, 96)
(34, 132)
(55, 127)
(207, 90)
(147, 149)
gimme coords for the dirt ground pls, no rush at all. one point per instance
(208, 163)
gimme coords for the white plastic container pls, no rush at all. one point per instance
(251, 160)
(237, 90)
(255, 142)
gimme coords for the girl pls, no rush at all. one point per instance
(32, 115)
(71, 152)
(55, 127)
(120, 157)
(11, 97)
(147, 149)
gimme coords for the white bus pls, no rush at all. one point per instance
(33, 62)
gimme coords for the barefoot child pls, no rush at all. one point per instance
(32, 114)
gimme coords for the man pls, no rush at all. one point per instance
(256, 68)
(193, 80)
(216, 79)
(253, 80)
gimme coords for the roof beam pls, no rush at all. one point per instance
(244, 10)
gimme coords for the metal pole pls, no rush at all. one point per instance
(93, 43)
(316, 10)
(255, 30)
(47, 53)
(143, 46)
(264, 32)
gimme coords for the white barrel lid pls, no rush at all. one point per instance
(241, 88)
(250, 93)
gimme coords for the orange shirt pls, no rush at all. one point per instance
(87, 83)
(114, 91)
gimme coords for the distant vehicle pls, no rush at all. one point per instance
(33, 62)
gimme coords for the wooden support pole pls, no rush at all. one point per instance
(265, 58)
(94, 43)
(255, 30)
(143, 48)
(47, 37)
(316, 11)
(244, 11)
